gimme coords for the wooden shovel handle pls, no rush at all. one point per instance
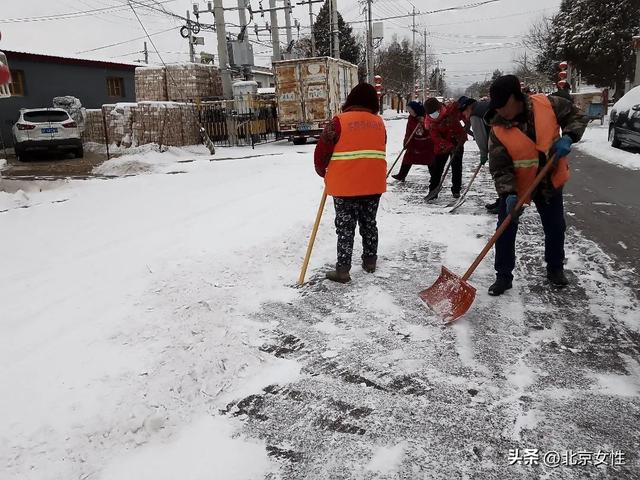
(507, 221)
(312, 240)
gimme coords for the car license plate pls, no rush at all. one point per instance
(49, 130)
(304, 127)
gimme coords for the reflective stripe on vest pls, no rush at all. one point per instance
(524, 152)
(359, 154)
(358, 165)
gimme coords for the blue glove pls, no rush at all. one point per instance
(483, 158)
(562, 146)
(510, 202)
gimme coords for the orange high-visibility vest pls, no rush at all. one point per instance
(525, 152)
(358, 166)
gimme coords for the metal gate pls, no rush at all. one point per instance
(246, 120)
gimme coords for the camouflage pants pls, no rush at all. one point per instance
(352, 211)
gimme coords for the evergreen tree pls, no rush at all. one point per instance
(349, 48)
(397, 66)
(595, 36)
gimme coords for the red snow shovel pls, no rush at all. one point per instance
(451, 296)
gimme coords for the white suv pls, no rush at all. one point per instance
(46, 129)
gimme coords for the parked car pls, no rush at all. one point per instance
(46, 129)
(624, 120)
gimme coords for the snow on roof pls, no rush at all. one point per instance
(67, 56)
(267, 90)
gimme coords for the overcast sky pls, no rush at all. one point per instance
(471, 43)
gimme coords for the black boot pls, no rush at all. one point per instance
(557, 278)
(433, 194)
(501, 285)
(456, 194)
(398, 177)
(493, 207)
(369, 264)
(340, 274)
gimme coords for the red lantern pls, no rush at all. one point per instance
(563, 65)
(562, 75)
(5, 74)
(377, 79)
(562, 84)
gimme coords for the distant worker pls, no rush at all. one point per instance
(447, 135)
(474, 112)
(525, 135)
(350, 155)
(419, 148)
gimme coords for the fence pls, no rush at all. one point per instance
(246, 120)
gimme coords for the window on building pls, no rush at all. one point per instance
(16, 87)
(115, 87)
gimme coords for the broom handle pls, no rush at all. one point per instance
(403, 149)
(475, 174)
(507, 221)
(312, 240)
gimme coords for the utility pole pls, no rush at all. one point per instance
(426, 69)
(313, 37)
(287, 20)
(413, 53)
(370, 71)
(242, 14)
(192, 52)
(223, 55)
(275, 33)
(335, 29)
(146, 53)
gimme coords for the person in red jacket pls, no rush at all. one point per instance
(419, 148)
(447, 134)
(350, 155)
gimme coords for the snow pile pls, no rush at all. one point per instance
(595, 142)
(3, 164)
(145, 159)
(10, 201)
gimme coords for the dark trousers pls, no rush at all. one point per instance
(553, 223)
(456, 169)
(349, 212)
(404, 170)
(436, 169)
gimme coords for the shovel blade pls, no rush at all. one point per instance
(449, 297)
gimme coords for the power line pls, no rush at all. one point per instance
(448, 9)
(126, 41)
(69, 15)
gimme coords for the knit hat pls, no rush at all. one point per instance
(417, 107)
(365, 96)
(501, 90)
(464, 102)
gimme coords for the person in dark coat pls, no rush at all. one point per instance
(447, 134)
(419, 148)
(473, 112)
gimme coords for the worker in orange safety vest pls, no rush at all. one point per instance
(525, 134)
(350, 155)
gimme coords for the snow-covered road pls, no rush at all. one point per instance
(150, 330)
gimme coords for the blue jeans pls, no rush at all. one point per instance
(553, 223)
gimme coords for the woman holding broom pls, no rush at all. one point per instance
(417, 142)
(350, 155)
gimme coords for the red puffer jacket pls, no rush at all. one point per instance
(420, 148)
(446, 131)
